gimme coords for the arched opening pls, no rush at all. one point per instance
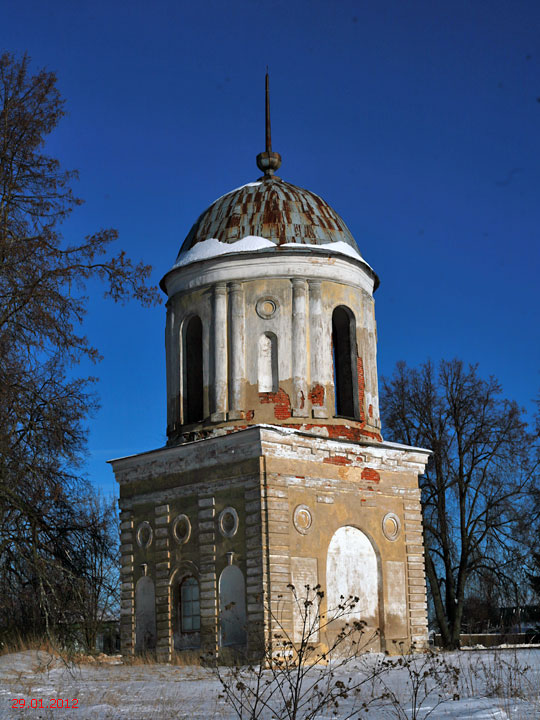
(232, 607)
(145, 615)
(344, 361)
(268, 363)
(185, 607)
(352, 570)
(189, 607)
(193, 371)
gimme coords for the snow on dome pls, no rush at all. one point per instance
(211, 248)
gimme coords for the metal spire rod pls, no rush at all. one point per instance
(268, 128)
(268, 161)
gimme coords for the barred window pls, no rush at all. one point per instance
(190, 611)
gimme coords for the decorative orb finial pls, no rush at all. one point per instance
(268, 161)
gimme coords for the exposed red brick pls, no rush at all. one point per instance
(317, 395)
(348, 432)
(337, 460)
(250, 414)
(370, 474)
(281, 401)
(372, 435)
(370, 411)
(361, 388)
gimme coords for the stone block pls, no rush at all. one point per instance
(206, 502)
(206, 525)
(206, 537)
(208, 612)
(254, 608)
(253, 530)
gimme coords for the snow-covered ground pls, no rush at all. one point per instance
(493, 685)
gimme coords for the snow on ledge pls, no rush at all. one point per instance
(214, 248)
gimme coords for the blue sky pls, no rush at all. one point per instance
(417, 121)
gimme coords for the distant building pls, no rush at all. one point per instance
(275, 470)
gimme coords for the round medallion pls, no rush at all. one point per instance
(145, 535)
(302, 519)
(266, 307)
(391, 526)
(228, 522)
(181, 529)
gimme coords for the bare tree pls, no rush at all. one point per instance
(43, 407)
(326, 671)
(95, 555)
(477, 484)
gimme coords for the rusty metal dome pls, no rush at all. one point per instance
(272, 209)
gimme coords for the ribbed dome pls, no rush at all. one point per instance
(272, 209)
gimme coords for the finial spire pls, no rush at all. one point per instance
(268, 161)
(268, 128)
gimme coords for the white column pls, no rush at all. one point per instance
(318, 350)
(220, 353)
(299, 348)
(172, 366)
(238, 352)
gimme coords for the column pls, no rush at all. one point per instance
(299, 348)
(127, 590)
(254, 569)
(416, 572)
(163, 572)
(318, 352)
(238, 352)
(276, 557)
(220, 353)
(172, 360)
(207, 574)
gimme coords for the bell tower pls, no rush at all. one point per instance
(275, 471)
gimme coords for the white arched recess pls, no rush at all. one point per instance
(232, 607)
(267, 365)
(352, 569)
(145, 615)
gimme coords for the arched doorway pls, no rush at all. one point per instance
(145, 615)
(232, 607)
(352, 570)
